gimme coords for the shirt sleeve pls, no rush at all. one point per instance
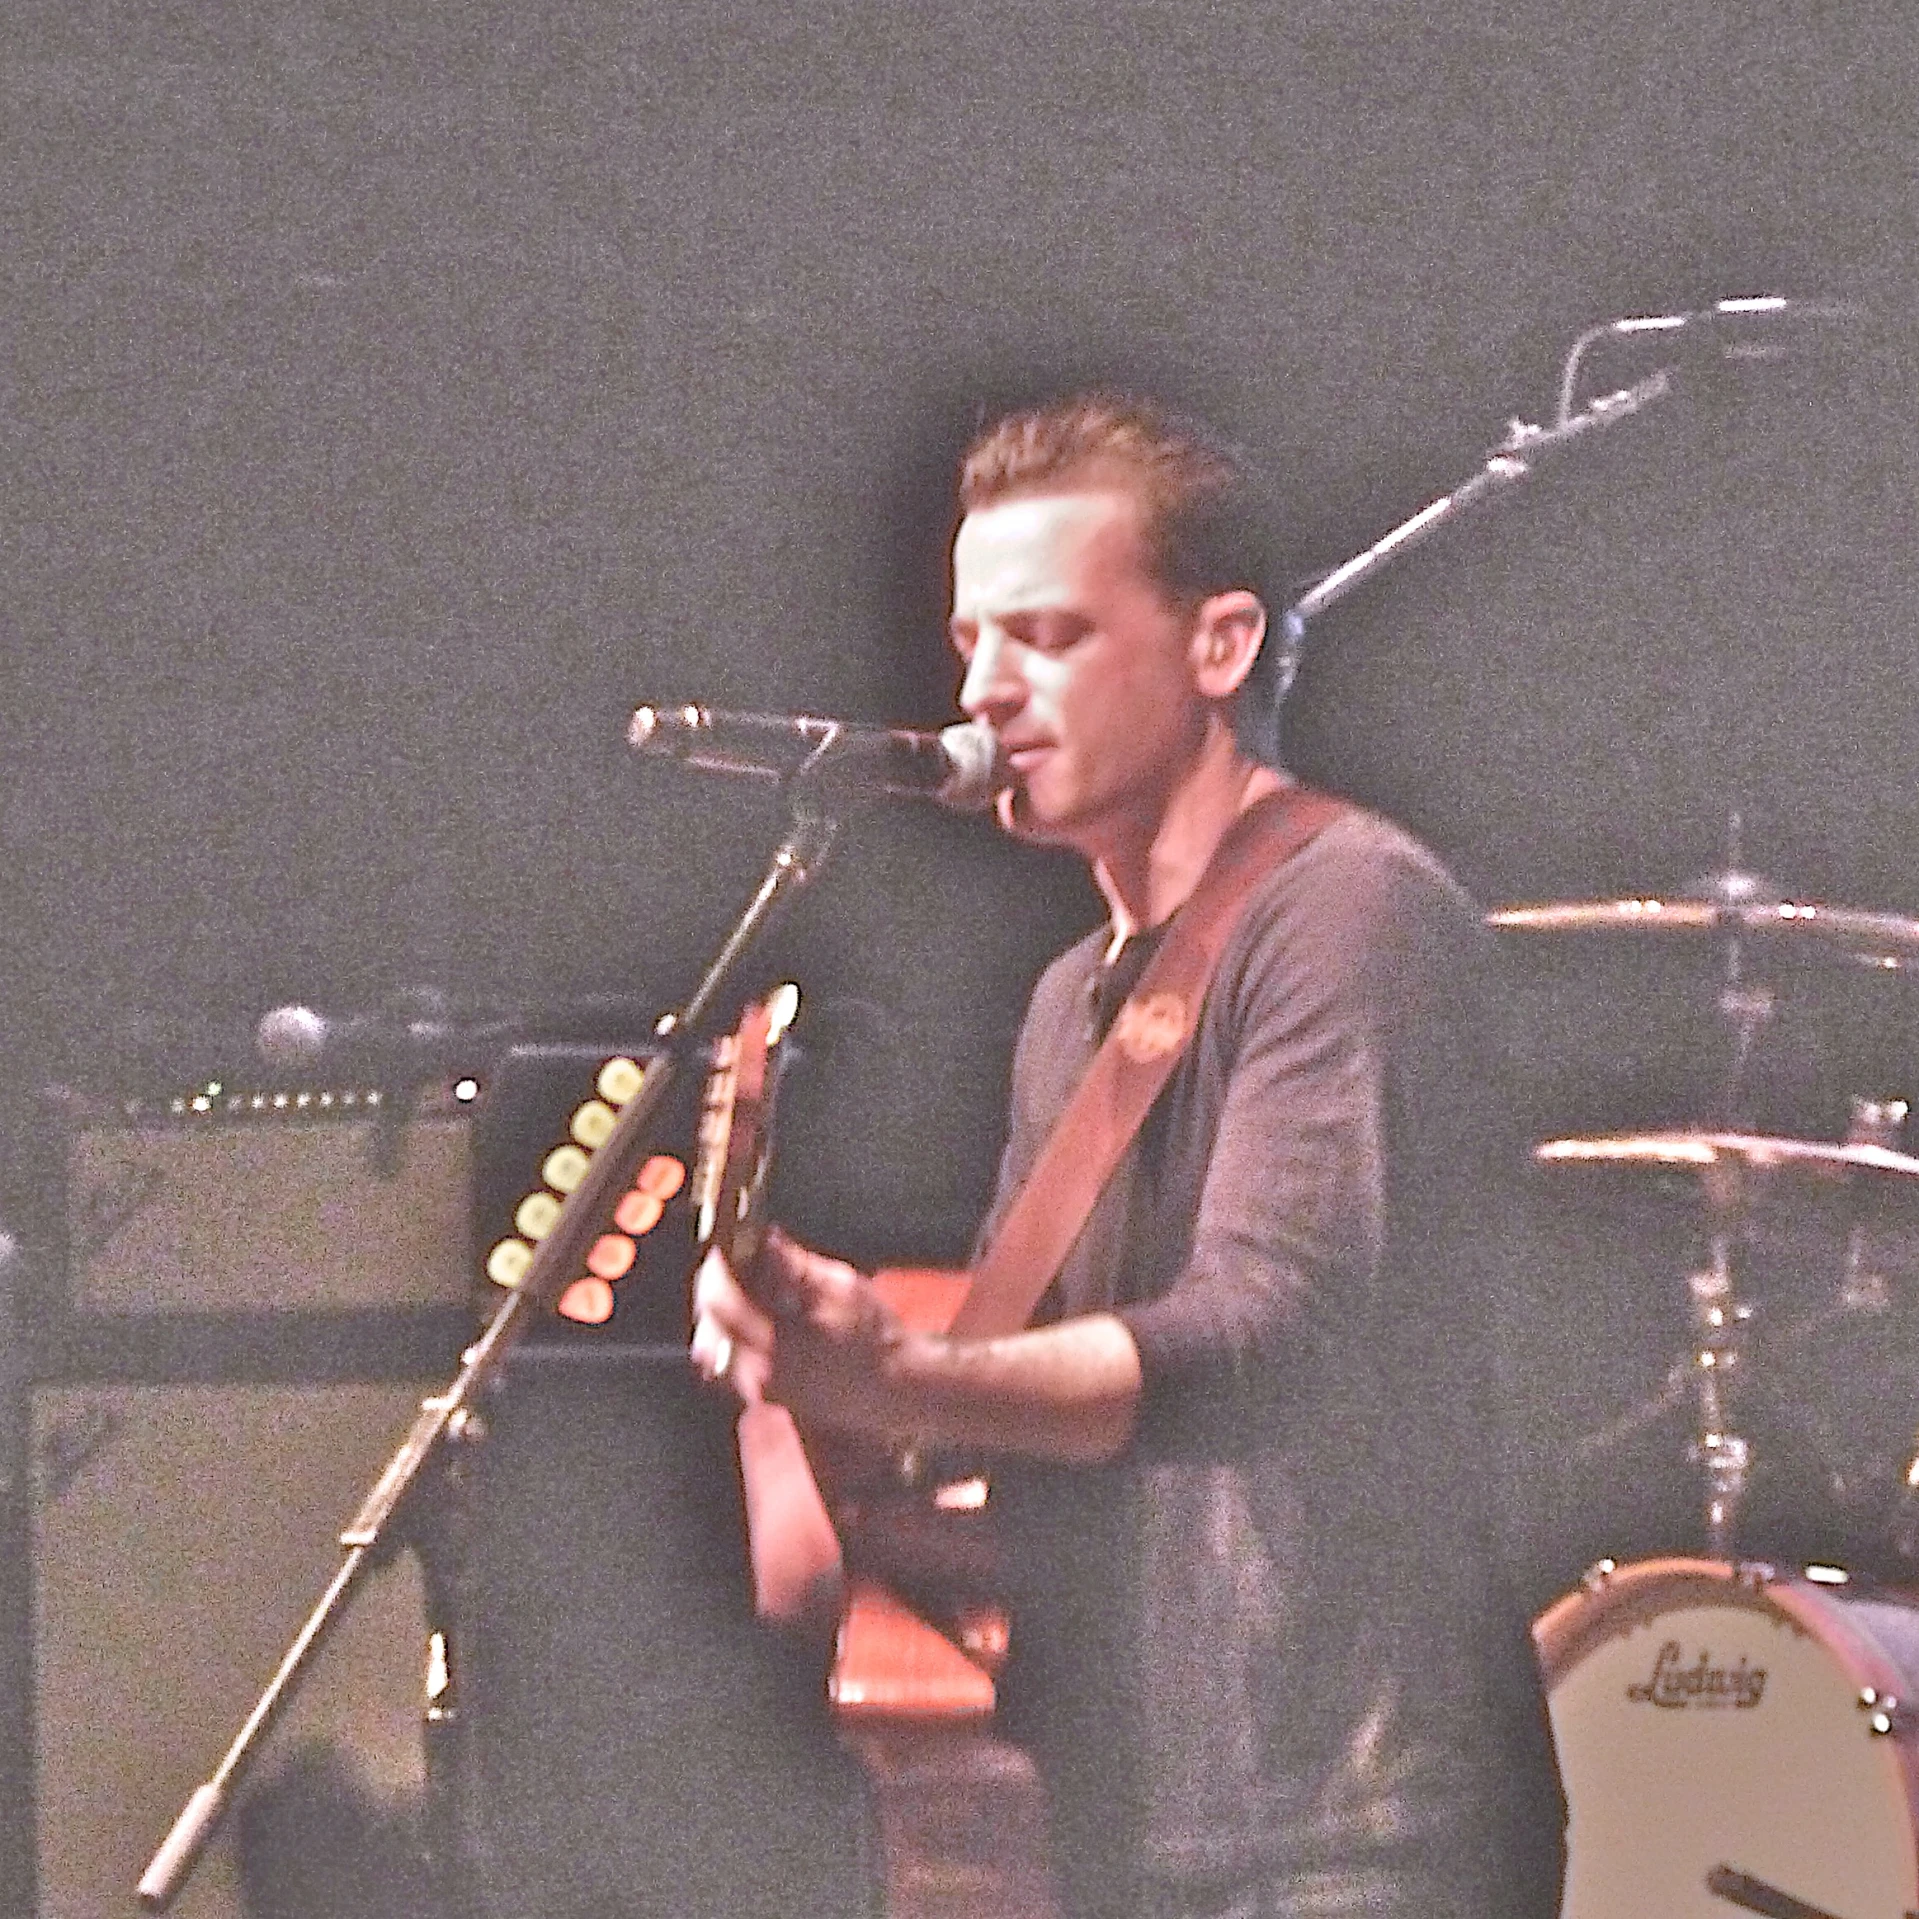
(1327, 1011)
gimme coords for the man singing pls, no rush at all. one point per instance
(1263, 1653)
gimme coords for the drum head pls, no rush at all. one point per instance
(1711, 1735)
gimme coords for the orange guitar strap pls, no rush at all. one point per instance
(1147, 1040)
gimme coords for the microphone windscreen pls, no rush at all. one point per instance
(977, 773)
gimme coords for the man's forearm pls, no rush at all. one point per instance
(1067, 1392)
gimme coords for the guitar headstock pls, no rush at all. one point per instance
(736, 1128)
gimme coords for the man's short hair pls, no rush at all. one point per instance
(1206, 520)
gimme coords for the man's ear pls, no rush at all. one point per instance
(1227, 633)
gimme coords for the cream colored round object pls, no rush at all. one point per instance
(1712, 1732)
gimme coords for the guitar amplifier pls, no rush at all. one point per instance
(271, 1203)
(263, 1208)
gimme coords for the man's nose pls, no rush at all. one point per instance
(992, 689)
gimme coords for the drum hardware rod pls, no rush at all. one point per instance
(1902, 1527)
(1756, 1895)
(1728, 1460)
(1748, 1010)
(1747, 1007)
(1863, 1286)
(1874, 1121)
(1598, 1576)
(1674, 1391)
(1718, 1320)
(1877, 1121)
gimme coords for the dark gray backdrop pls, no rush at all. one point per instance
(395, 395)
(398, 394)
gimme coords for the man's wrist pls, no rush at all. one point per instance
(912, 1367)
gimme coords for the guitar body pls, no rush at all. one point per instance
(961, 1815)
(925, 1297)
(920, 1636)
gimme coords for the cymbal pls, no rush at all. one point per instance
(1686, 1150)
(1888, 940)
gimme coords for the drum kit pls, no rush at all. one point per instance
(1735, 1733)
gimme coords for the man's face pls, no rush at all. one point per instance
(1079, 663)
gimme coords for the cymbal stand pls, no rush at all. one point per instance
(1719, 1317)
(1719, 1320)
(1746, 1006)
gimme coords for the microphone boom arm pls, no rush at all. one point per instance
(1518, 455)
(1514, 459)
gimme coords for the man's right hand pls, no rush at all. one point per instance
(813, 1333)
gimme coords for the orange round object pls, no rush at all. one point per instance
(611, 1256)
(661, 1177)
(638, 1213)
(590, 1301)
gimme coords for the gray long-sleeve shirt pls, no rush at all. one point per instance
(1273, 1641)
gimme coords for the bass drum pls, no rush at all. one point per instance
(1731, 1740)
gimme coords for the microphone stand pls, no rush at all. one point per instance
(395, 1513)
(1515, 458)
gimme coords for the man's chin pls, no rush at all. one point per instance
(1017, 815)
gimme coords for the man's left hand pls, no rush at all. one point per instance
(807, 1330)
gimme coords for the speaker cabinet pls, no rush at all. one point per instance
(181, 1534)
(638, 1746)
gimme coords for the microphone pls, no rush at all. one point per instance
(959, 767)
(412, 1037)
